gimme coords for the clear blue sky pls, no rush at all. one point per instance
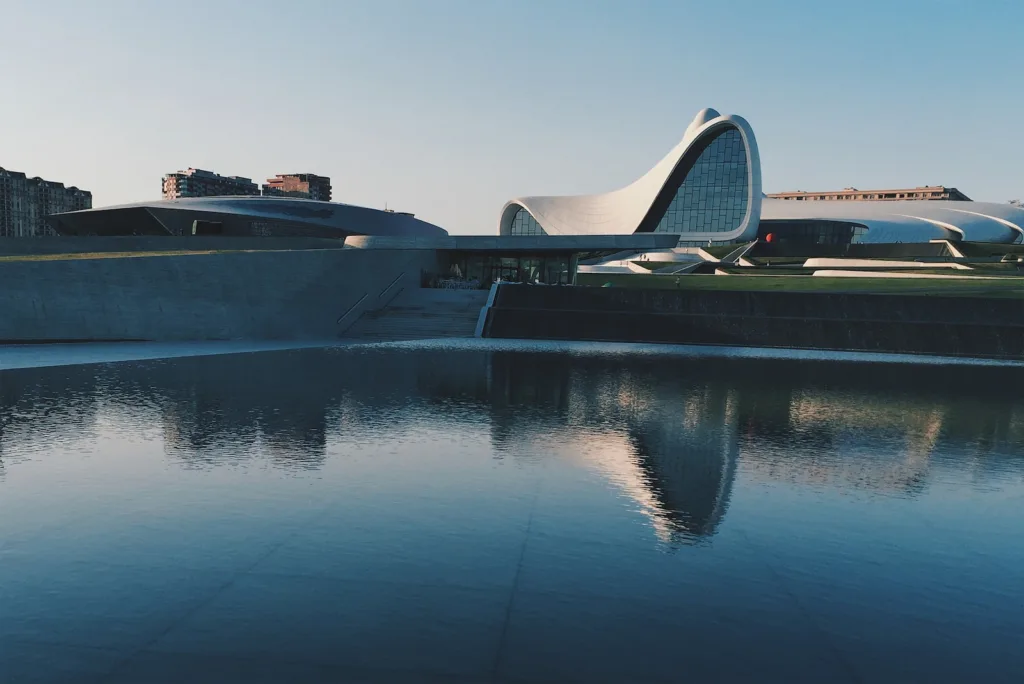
(448, 108)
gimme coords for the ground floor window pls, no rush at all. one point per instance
(480, 270)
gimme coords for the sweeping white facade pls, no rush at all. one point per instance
(708, 188)
(900, 221)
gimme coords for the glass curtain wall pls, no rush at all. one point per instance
(524, 224)
(713, 196)
(484, 269)
(812, 232)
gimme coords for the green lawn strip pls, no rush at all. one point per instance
(984, 270)
(720, 251)
(122, 255)
(95, 255)
(766, 271)
(654, 265)
(777, 261)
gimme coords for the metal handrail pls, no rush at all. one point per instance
(391, 284)
(349, 310)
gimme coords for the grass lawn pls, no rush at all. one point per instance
(720, 251)
(113, 255)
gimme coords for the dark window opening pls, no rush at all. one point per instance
(469, 270)
(811, 232)
(207, 228)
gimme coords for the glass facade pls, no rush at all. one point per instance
(548, 269)
(713, 195)
(480, 269)
(524, 224)
(811, 232)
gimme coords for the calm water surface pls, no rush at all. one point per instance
(463, 514)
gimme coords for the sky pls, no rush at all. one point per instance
(449, 108)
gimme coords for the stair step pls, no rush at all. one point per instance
(422, 314)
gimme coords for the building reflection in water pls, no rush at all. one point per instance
(671, 447)
(674, 434)
(45, 407)
(690, 465)
(209, 410)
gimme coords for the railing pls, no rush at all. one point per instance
(458, 284)
(351, 308)
(393, 294)
(391, 284)
(481, 321)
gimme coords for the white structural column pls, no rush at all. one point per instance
(642, 204)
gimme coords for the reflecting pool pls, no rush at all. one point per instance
(539, 513)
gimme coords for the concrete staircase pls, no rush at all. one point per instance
(421, 314)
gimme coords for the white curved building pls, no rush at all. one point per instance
(708, 189)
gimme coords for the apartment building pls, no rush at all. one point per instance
(926, 192)
(26, 202)
(199, 183)
(307, 185)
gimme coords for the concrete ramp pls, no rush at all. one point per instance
(421, 314)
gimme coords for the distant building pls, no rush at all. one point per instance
(199, 183)
(927, 192)
(305, 185)
(26, 202)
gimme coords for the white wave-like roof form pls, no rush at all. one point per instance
(907, 221)
(640, 205)
(173, 216)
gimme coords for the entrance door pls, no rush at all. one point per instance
(507, 274)
(507, 269)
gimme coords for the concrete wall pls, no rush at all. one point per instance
(949, 326)
(156, 243)
(246, 295)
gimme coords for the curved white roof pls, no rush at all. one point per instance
(628, 209)
(344, 218)
(634, 207)
(908, 221)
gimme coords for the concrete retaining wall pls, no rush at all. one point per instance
(950, 326)
(285, 295)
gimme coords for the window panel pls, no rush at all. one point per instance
(713, 195)
(524, 224)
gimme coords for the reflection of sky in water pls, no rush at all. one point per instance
(669, 435)
(629, 477)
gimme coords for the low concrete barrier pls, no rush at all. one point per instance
(954, 326)
(282, 295)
